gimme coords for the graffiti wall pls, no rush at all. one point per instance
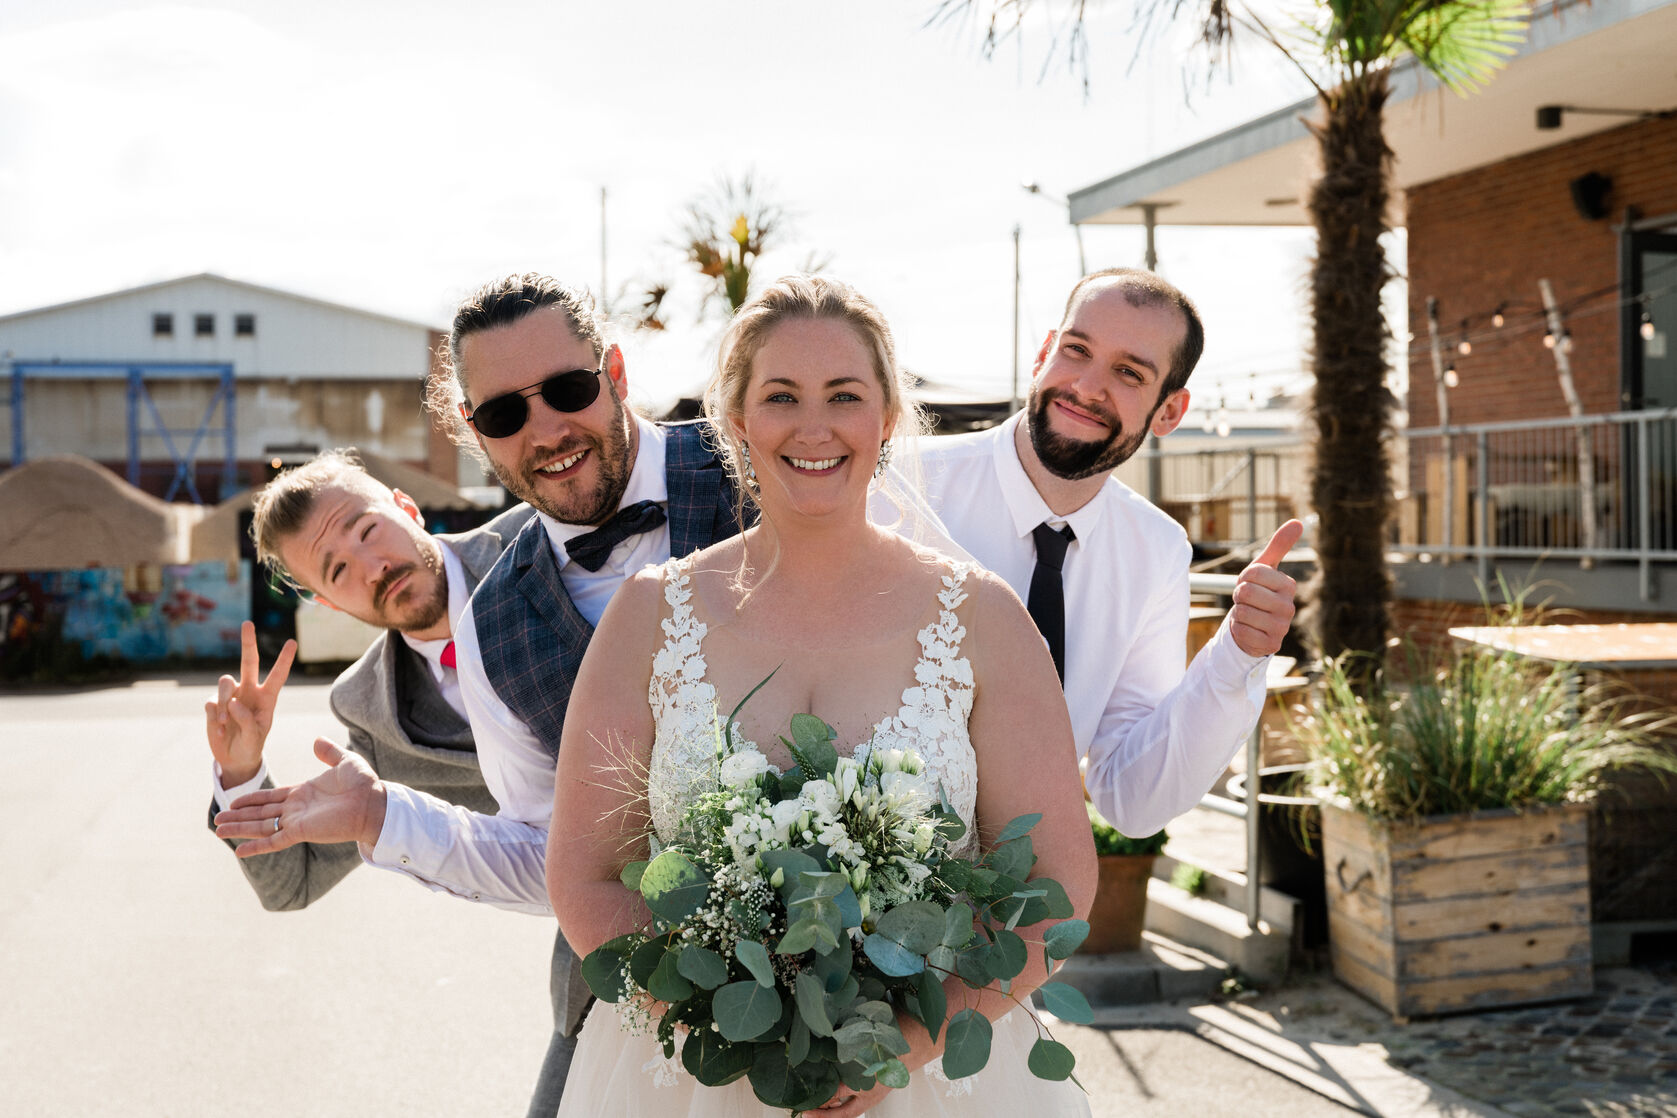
(140, 615)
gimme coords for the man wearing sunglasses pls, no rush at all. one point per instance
(541, 396)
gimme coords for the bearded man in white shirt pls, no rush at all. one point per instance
(1105, 572)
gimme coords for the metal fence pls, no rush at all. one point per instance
(1601, 487)
(1226, 497)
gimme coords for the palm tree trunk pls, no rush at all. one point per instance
(1351, 482)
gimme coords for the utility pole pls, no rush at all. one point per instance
(1015, 318)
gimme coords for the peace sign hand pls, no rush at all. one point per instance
(237, 720)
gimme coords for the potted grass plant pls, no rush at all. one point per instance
(1455, 826)
(1119, 911)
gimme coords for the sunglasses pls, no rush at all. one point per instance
(501, 416)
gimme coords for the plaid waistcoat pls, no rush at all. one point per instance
(532, 636)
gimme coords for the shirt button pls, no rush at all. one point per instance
(404, 859)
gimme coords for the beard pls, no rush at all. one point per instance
(1075, 459)
(581, 502)
(416, 609)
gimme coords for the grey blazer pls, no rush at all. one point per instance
(398, 721)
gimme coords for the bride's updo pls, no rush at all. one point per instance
(801, 297)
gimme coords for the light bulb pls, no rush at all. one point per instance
(1566, 341)
(1496, 318)
(1548, 340)
(1647, 327)
(1465, 348)
(1223, 429)
(1450, 377)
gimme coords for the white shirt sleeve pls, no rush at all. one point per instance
(1152, 760)
(224, 797)
(497, 859)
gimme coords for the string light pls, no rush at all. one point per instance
(1647, 327)
(1464, 347)
(1548, 339)
(1451, 380)
(1566, 341)
(1496, 316)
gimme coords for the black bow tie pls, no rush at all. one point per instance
(591, 549)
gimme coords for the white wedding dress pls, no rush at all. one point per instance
(618, 1072)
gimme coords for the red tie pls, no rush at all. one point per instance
(448, 655)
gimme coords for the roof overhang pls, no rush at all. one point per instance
(1606, 54)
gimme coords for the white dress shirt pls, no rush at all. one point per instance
(448, 679)
(1155, 737)
(502, 859)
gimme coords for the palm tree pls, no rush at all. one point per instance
(1346, 50)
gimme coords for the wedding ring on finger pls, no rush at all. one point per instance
(276, 825)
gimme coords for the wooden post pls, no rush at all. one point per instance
(1586, 455)
(1449, 495)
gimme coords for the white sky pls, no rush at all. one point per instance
(393, 155)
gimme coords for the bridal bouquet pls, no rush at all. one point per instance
(799, 915)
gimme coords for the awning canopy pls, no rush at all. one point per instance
(1607, 54)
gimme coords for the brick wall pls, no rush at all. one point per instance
(1487, 236)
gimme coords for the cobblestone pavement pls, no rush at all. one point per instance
(1610, 1055)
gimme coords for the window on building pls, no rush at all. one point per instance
(203, 325)
(162, 325)
(244, 325)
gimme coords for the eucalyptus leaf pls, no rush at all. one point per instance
(745, 1010)
(805, 935)
(1066, 1002)
(957, 925)
(1010, 954)
(973, 965)
(712, 1060)
(667, 983)
(797, 1043)
(892, 1073)
(833, 967)
(812, 1004)
(966, 1047)
(646, 958)
(703, 966)
(1049, 1059)
(934, 1003)
(630, 875)
(840, 1002)
(603, 971)
(1065, 937)
(1020, 826)
(941, 959)
(756, 959)
(1013, 858)
(891, 957)
(794, 862)
(917, 925)
(1053, 905)
(674, 887)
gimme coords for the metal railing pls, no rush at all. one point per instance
(1225, 497)
(1600, 487)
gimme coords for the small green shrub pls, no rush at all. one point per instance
(1479, 729)
(1189, 879)
(1108, 839)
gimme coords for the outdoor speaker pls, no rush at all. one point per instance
(1589, 195)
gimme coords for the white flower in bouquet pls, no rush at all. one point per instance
(743, 768)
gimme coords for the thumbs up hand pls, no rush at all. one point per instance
(1263, 596)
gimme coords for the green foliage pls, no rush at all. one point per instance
(1189, 879)
(1109, 840)
(1479, 729)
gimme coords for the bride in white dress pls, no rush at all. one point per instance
(885, 640)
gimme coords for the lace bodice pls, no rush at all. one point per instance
(687, 728)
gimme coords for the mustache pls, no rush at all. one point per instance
(1105, 415)
(389, 580)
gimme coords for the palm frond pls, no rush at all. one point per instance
(1464, 43)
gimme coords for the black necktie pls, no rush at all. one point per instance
(1047, 603)
(591, 549)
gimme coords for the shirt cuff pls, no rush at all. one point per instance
(224, 797)
(1232, 667)
(404, 836)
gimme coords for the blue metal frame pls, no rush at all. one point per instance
(136, 375)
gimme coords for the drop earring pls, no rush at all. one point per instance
(884, 459)
(745, 458)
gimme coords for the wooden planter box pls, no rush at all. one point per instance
(1119, 911)
(1460, 912)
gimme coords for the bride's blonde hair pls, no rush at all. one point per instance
(805, 297)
